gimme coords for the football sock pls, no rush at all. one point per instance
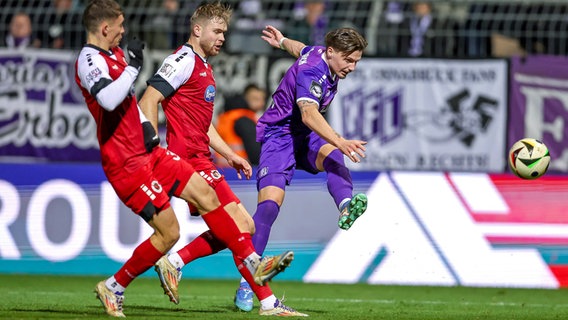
(339, 181)
(204, 245)
(268, 303)
(114, 286)
(240, 244)
(266, 213)
(143, 258)
(226, 230)
(261, 292)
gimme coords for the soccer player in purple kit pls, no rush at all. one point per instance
(294, 133)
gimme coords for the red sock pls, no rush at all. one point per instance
(204, 245)
(261, 292)
(143, 258)
(225, 230)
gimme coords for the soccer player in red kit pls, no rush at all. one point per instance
(185, 87)
(143, 174)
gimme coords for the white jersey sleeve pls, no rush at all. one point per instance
(176, 69)
(93, 72)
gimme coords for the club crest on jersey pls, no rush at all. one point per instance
(210, 93)
(215, 174)
(156, 186)
(316, 90)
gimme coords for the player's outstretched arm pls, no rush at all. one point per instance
(275, 39)
(313, 119)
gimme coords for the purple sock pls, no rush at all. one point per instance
(266, 213)
(339, 181)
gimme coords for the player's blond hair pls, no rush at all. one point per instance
(98, 11)
(211, 11)
(345, 40)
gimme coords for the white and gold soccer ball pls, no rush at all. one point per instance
(529, 158)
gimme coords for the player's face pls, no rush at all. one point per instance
(213, 37)
(341, 64)
(114, 31)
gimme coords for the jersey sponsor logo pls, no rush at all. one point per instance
(203, 74)
(166, 70)
(316, 89)
(94, 75)
(210, 93)
(304, 57)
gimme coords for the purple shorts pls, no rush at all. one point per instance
(280, 155)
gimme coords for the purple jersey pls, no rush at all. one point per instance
(309, 78)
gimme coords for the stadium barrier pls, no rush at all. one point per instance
(446, 229)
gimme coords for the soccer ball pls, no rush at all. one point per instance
(529, 158)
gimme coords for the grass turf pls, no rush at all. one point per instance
(72, 297)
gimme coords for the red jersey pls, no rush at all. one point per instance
(186, 81)
(103, 76)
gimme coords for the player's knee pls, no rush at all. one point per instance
(334, 160)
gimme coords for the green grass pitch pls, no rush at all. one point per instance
(66, 297)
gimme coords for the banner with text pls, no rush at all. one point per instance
(426, 114)
(66, 219)
(42, 112)
(539, 104)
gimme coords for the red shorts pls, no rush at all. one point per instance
(215, 179)
(150, 188)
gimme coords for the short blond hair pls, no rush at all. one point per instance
(211, 11)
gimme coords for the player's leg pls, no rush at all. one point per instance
(255, 270)
(169, 267)
(166, 232)
(276, 168)
(223, 227)
(339, 183)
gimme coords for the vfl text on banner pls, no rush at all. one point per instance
(426, 114)
(539, 105)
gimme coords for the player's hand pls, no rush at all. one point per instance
(135, 49)
(353, 149)
(241, 165)
(272, 36)
(151, 138)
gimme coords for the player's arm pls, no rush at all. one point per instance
(234, 160)
(275, 39)
(314, 120)
(170, 76)
(95, 77)
(149, 105)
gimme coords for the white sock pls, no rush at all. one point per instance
(176, 260)
(111, 284)
(252, 262)
(343, 202)
(268, 303)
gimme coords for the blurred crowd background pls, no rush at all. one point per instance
(443, 28)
